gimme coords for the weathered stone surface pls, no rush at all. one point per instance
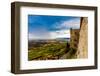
(79, 39)
(74, 33)
(82, 51)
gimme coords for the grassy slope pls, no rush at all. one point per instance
(47, 51)
(50, 51)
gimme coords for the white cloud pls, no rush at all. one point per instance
(31, 36)
(60, 34)
(51, 35)
(67, 24)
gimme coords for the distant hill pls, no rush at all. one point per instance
(63, 39)
(39, 42)
(47, 40)
(58, 39)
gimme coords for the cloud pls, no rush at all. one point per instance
(45, 35)
(39, 33)
(32, 36)
(67, 24)
(60, 34)
(60, 30)
(51, 35)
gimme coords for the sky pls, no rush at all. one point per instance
(51, 27)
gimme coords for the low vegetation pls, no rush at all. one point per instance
(50, 51)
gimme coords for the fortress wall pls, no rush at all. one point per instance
(82, 51)
(74, 33)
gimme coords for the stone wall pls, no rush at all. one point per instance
(74, 33)
(82, 51)
(79, 39)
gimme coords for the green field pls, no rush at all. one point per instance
(50, 51)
